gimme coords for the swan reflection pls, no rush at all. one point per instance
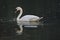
(31, 24)
(26, 23)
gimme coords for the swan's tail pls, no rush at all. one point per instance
(40, 18)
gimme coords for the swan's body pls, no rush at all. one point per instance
(27, 18)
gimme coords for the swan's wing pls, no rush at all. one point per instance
(29, 18)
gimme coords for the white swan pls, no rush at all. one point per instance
(27, 18)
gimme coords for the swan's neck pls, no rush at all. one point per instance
(21, 11)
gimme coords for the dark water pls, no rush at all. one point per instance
(8, 32)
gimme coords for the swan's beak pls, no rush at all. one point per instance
(15, 11)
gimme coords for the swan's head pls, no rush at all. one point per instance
(18, 9)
